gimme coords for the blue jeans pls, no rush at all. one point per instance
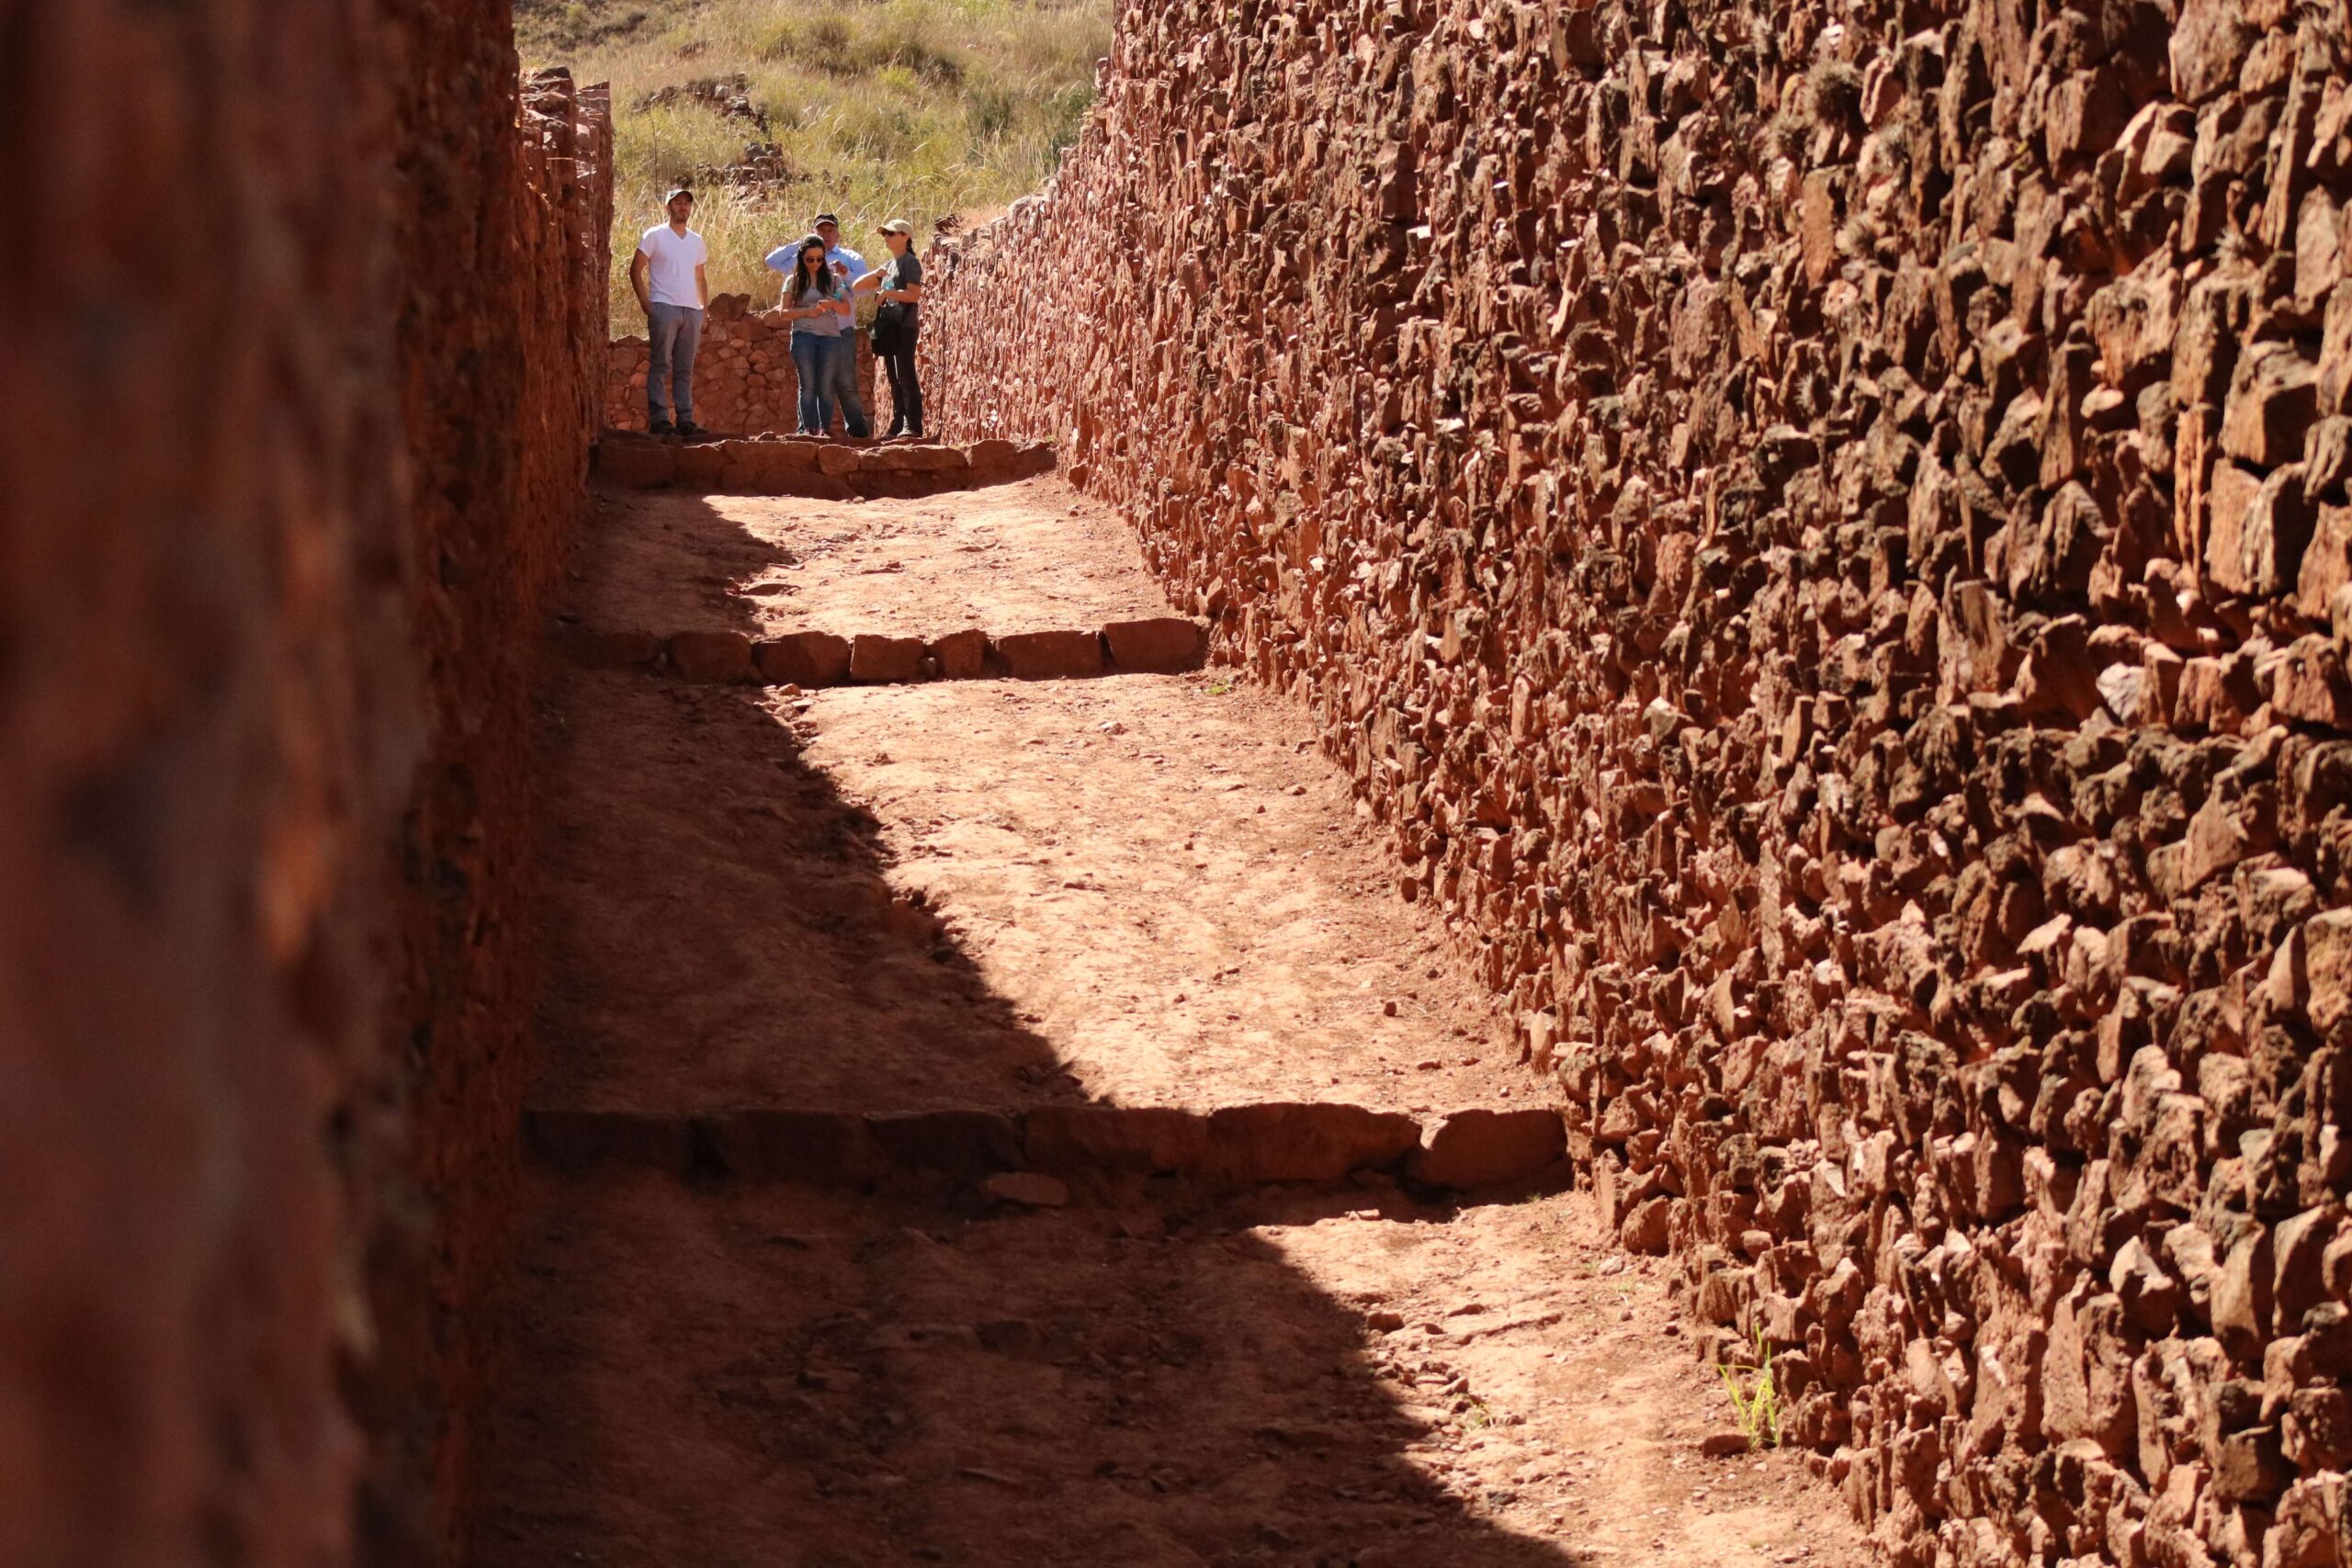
(673, 332)
(812, 361)
(845, 388)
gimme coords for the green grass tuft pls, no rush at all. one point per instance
(1755, 1399)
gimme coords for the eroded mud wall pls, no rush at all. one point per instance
(1820, 530)
(265, 519)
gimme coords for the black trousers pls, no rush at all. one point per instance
(906, 393)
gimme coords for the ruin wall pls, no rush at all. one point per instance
(1821, 534)
(293, 428)
(504, 235)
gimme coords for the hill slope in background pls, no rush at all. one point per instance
(777, 109)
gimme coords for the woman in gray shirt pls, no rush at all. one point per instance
(898, 283)
(819, 309)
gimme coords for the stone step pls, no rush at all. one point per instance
(1236, 1146)
(822, 470)
(1164, 645)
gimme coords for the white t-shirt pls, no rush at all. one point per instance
(673, 258)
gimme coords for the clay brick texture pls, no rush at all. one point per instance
(303, 355)
(1821, 533)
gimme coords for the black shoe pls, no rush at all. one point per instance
(689, 431)
(661, 427)
(897, 430)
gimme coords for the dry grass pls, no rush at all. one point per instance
(915, 108)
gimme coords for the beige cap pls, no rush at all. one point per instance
(899, 226)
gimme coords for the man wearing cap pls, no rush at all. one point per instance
(898, 285)
(673, 290)
(847, 266)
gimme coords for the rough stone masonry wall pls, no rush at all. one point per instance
(1821, 531)
(272, 482)
(744, 381)
(503, 241)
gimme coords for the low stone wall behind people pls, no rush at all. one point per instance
(1821, 535)
(745, 383)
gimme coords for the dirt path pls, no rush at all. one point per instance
(998, 896)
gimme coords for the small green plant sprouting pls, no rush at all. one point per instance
(1220, 686)
(1757, 1403)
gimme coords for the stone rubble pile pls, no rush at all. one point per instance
(1822, 533)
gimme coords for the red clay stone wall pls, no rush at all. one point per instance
(504, 243)
(275, 485)
(1822, 533)
(745, 382)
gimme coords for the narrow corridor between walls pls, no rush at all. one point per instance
(1016, 1121)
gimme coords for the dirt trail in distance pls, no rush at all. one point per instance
(999, 895)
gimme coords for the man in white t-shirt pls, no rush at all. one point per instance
(673, 289)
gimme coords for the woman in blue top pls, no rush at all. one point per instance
(819, 309)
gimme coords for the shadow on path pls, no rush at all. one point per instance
(745, 1375)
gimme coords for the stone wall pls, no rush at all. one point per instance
(275, 486)
(745, 383)
(504, 239)
(1821, 533)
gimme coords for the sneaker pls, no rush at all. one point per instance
(661, 427)
(689, 431)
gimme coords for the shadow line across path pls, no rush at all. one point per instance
(1012, 895)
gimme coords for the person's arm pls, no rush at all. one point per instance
(638, 267)
(702, 282)
(873, 280)
(868, 280)
(910, 289)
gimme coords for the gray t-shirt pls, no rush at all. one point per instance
(786, 259)
(904, 272)
(828, 323)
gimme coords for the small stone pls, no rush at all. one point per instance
(1724, 1444)
(711, 656)
(1044, 656)
(1033, 1188)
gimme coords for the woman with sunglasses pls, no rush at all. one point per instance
(819, 309)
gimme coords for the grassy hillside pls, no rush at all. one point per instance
(879, 108)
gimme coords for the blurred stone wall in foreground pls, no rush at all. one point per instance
(300, 375)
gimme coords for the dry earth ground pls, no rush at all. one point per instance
(1141, 890)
